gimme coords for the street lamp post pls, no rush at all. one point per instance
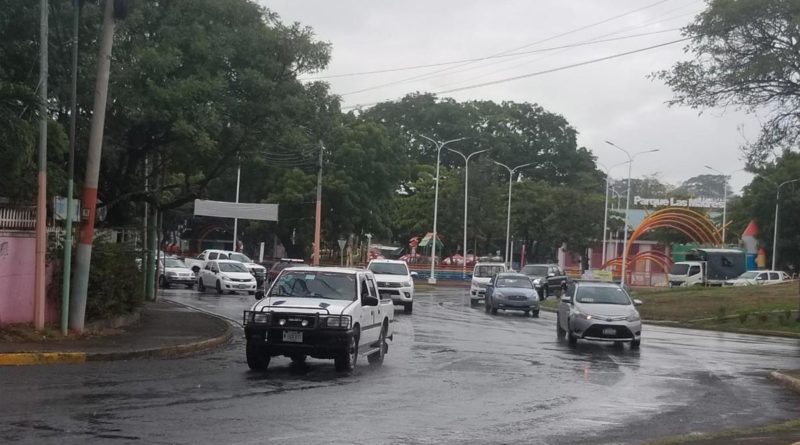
(775, 234)
(508, 219)
(466, 189)
(439, 145)
(236, 220)
(627, 204)
(605, 209)
(724, 196)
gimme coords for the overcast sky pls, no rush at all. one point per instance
(609, 100)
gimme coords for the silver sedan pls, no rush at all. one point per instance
(512, 291)
(599, 311)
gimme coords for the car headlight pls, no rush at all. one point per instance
(407, 284)
(634, 316)
(537, 282)
(336, 321)
(223, 276)
(498, 294)
(581, 315)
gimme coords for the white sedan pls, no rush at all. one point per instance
(226, 275)
(759, 277)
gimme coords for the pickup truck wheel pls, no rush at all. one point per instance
(200, 286)
(376, 358)
(535, 314)
(298, 358)
(473, 302)
(219, 288)
(162, 282)
(257, 357)
(560, 332)
(346, 361)
(408, 307)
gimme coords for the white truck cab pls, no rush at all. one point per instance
(395, 281)
(481, 276)
(321, 312)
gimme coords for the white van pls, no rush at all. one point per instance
(481, 275)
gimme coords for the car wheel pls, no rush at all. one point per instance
(486, 305)
(200, 286)
(346, 361)
(535, 314)
(298, 358)
(162, 282)
(408, 307)
(376, 358)
(635, 343)
(493, 309)
(219, 288)
(473, 302)
(572, 339)
(257, 356)
(527, 313)
(560, 332)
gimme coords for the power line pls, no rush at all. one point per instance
(453, 62)
(539, 73)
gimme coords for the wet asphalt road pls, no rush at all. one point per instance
(454, 374)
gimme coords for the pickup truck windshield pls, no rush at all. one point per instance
(232, 267)
(517, 282)
(487, 271)
(537, 271)
(602, 295)
(389, 268)
(311, 284)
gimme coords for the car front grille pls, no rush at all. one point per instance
(294, 321)
(241, 280)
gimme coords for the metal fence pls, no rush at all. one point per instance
(17, 218)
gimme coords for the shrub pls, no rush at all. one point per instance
(743, 317)
(115, 282)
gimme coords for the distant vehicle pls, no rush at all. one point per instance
(548, 279)
(281, 264)
(482, 273)
(708, 267)
(759, 277)
(322, 312)
(599, 311)
(173, 271)
(198, 263)
(226, 276)
(512, 292)
(395, 281)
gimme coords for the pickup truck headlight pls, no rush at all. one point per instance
(251, 317)
(336, 321)
(407, 284)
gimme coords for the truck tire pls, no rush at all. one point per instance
(473, 302)
(257, 357)
(376, 358)
(408, 307)
(162, 282)
(346, 361)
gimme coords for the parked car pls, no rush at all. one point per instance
(512, 291)
(548, 279)
(759, 277)
(322, 312)
(199, 262)
(281, 264)
(395, 281)
(482, 274)
(226, 275)
(173, 271)
(599, 311)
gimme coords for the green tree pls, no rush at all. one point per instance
(745, 55)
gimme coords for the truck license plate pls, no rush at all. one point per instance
(609, 331)
(293, 336)
(242, 286)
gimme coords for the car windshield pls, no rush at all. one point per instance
(487, 271)
(679, 269)
(750, 275)
(305, 284)
(538, 271)
(239, 257)
(232, 267)
(602, 295)
(389, 268)
(518, 282)
(172, 262)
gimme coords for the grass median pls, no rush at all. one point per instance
(736, 309)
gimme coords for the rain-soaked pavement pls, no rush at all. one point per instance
(454, 374)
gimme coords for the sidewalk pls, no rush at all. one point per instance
(164, 330)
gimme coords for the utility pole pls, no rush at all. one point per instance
(41, 201)
(318, 216)
(236, 220)
(83, 255)
(76, 14)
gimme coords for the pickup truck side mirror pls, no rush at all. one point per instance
(414, 275)
(259, 294)
(369, 300)
(637, 302)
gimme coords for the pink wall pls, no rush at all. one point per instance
(17, 267)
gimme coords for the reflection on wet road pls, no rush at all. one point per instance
(454, 374)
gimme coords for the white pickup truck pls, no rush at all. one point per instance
(320, 312)
(199, 262)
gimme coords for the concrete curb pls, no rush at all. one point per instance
(174, 351)
(788, 381)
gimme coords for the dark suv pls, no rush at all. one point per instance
(548, 279)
